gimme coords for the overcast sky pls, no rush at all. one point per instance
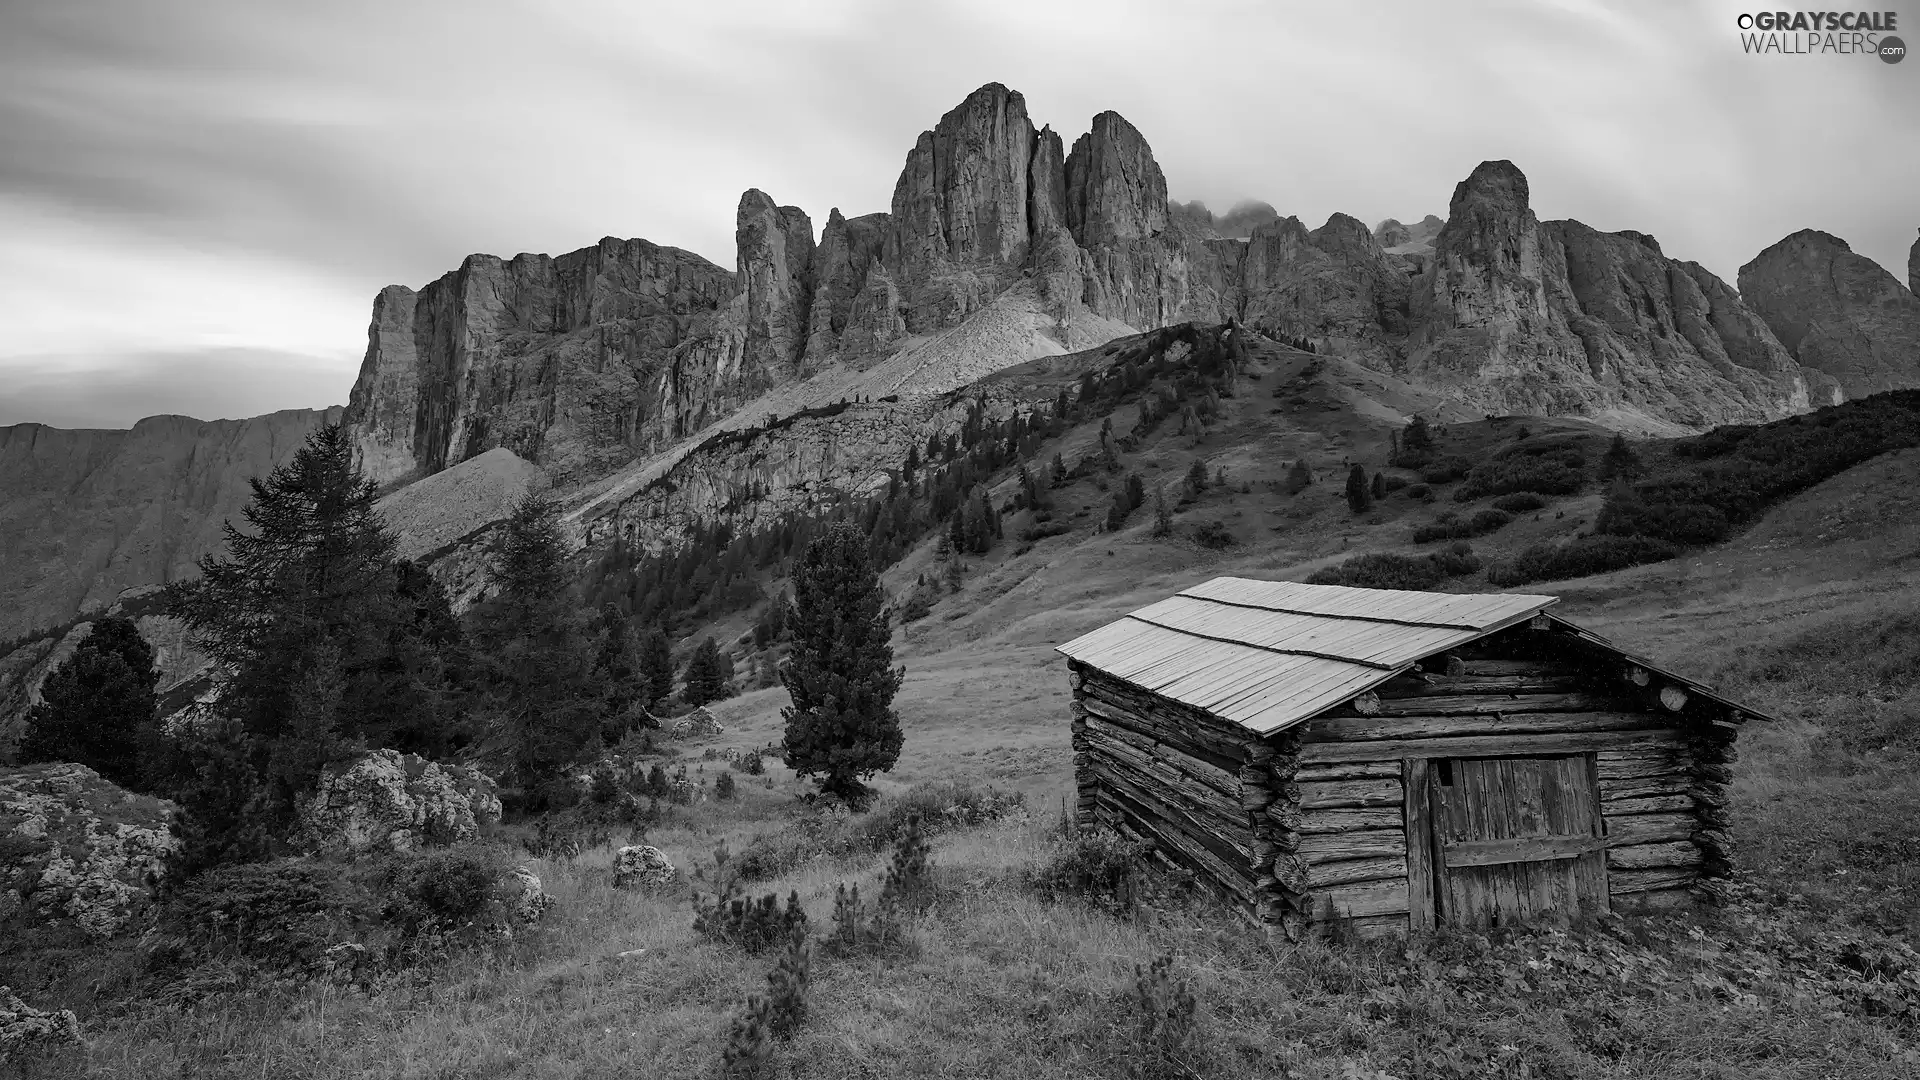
(199, 198)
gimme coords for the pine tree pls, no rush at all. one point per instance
(706, 679)
(1378, 487)
(911, 465)
(656, 666)
(1619, 460)
(1416, 443)
(1197, 477)
(538, 692)
(1358, 497)
(97, 707)
(841, 726)
(308, 596)
(1058, 470)
(1162, 519)
(617, 674)
(1136, 491)
(1299, 477)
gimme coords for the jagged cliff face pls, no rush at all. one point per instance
(1840, 314)
(1913, 269)
(578, 362)
(86, 515)
(1518, 316)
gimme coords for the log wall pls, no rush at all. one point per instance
(1311, 826)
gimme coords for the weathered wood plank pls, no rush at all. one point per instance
(1634, 764)
(1645, 787)
(1178, 845)
(1353, 770)
(1343, 729)
(1355, 871)
(1227, 783)
(1653, 856)
(1190, 729)
(1432, 686)
(1653, 804)
(1498, 668)
(1671, 899)
(1462, 853)
(1485, 704)
(1355, 793)
(1337, 847)
(1178, 811)
(1360, 901)
(1488, 746)
(1340, 821)
(1627, 882)
(1649, 828)
(1418, 817)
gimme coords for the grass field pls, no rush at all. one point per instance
(1807, 615)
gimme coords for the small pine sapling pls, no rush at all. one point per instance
(723, 786)
(911, 871)
(787, 984)
(749, 1048)
(1165, 1037)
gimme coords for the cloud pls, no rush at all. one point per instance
(222, 384)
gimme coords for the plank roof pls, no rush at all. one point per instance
(1269, 654)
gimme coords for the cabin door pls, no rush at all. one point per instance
(1516, 839)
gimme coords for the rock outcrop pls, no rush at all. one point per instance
(642, 866)
(520, 898)
(77, 849)
(86, 515)
(388, 801)
(1840, 314)
(23, 1027)
(1517, 316)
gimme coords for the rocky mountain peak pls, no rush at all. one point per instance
(1913, 268)
(1115, 190)
(1837, 312)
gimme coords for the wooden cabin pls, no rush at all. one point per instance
(1403, 760)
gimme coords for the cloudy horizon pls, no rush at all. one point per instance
(199, 204)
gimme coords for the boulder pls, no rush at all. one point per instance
(74, 847)
(697, 723)
(521, 897)
(23, 1026)
(388, 801)
(644, 866)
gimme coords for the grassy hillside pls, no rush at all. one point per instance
(1807, 614)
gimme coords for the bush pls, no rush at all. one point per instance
(1399, 571)
(1212, 534)
(1390, 484)
(1448, 527)
(281, 914)
(941, 806)
(1043, 530)
(1446, 470)
(1519, 502)
(1421, 492)
(1551, 466)
(1578, 558)
(1095, 866)
(442, 890)
(730, 917)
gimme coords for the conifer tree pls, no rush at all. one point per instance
(97, 707)
(1299, 477)
(841, 726)
(1197, 477)
(1162, 519)
(307, 600)
(1619, 461)
(706, 675)
(1358, 496)
(617, 674)
(538, 694)
(1378, 487)
(656, 666)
